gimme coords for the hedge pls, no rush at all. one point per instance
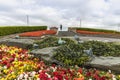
(19, 29)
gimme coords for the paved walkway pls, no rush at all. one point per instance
(97, 38)
(106, 61)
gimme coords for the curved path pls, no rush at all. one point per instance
(84, 38)
(97, 38)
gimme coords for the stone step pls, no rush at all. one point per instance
(66, 33)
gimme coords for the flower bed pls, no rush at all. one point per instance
(18, 64)
(90, 32)
(38, 33)
(96, 30)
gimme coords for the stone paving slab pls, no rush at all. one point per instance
(23, 43)
(96, 38)
(106, 61)
(26, 41)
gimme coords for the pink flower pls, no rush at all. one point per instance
(55, 78)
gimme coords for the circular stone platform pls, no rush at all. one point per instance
(106, 63)
(23, 43)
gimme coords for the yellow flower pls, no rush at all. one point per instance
(0, 67)
(13, 76)
(5, 71)
(3, 79)
(80, 75)
(36, 76)
(119, 76)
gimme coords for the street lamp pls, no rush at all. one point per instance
(27, 19)
(80, 23)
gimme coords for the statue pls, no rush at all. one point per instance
(76, 37)
(89, 52)
(35, 46)
(61, 27)
(60, 41)
(17, 37)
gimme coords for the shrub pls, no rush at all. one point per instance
(71, 54)
(102, 48)
(52, 42)
(19, 29)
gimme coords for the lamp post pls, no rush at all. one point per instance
(80, 23)
(27, 19)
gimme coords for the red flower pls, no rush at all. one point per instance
(88, 74)
(96, 77)
(8, 65)
(0, 56)
(38, 33)
(103, 78)
(11, 60)
(66, 78)
(4, 62)
(13, 55)
(58, 75)
(55, 73)
(53, 65)
(55, 78)
(89, 32)
(80, 70)
(43, 76)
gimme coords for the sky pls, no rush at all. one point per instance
(103, 14)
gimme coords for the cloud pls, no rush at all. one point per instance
(93, 13)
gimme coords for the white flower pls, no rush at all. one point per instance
(32, 73)
(90, 79)
(5, 67)
(113, 78)
(20, 76)
(25, 65)
(38, 78)
(25, 76)
(22, 55)
(40, 71)
(16, 59)
(49, 76)
(54, 69)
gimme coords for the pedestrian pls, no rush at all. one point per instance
(61, 27)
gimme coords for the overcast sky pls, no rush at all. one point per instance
(93, 13)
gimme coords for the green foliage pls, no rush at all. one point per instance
(97, 30)
(52, 42)
(71, 54)
(99, 48)
(102, 48)
(19, 29)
